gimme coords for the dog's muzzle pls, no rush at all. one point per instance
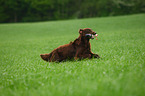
(92, 36)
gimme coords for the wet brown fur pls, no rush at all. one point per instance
(80, 48)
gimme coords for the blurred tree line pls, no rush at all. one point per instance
(41, 10)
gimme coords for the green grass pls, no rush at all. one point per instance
(119, 72)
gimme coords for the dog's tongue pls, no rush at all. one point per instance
(96, 36)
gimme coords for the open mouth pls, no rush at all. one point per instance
(92, 36)
(96, 36)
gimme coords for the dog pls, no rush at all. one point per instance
(79, 49)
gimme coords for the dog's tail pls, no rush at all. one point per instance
(46, 57)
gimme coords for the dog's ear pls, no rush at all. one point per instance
(81, 31)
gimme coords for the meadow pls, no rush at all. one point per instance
(119, 72)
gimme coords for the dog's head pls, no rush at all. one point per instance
(88, 33)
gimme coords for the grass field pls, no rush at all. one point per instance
(119, 72)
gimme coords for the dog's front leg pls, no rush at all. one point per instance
(77, 55)
(85, 56)
(80, 55)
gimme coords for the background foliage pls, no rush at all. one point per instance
(41, 10)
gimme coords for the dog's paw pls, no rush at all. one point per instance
(96, 56)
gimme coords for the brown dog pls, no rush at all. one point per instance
(78, 49)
